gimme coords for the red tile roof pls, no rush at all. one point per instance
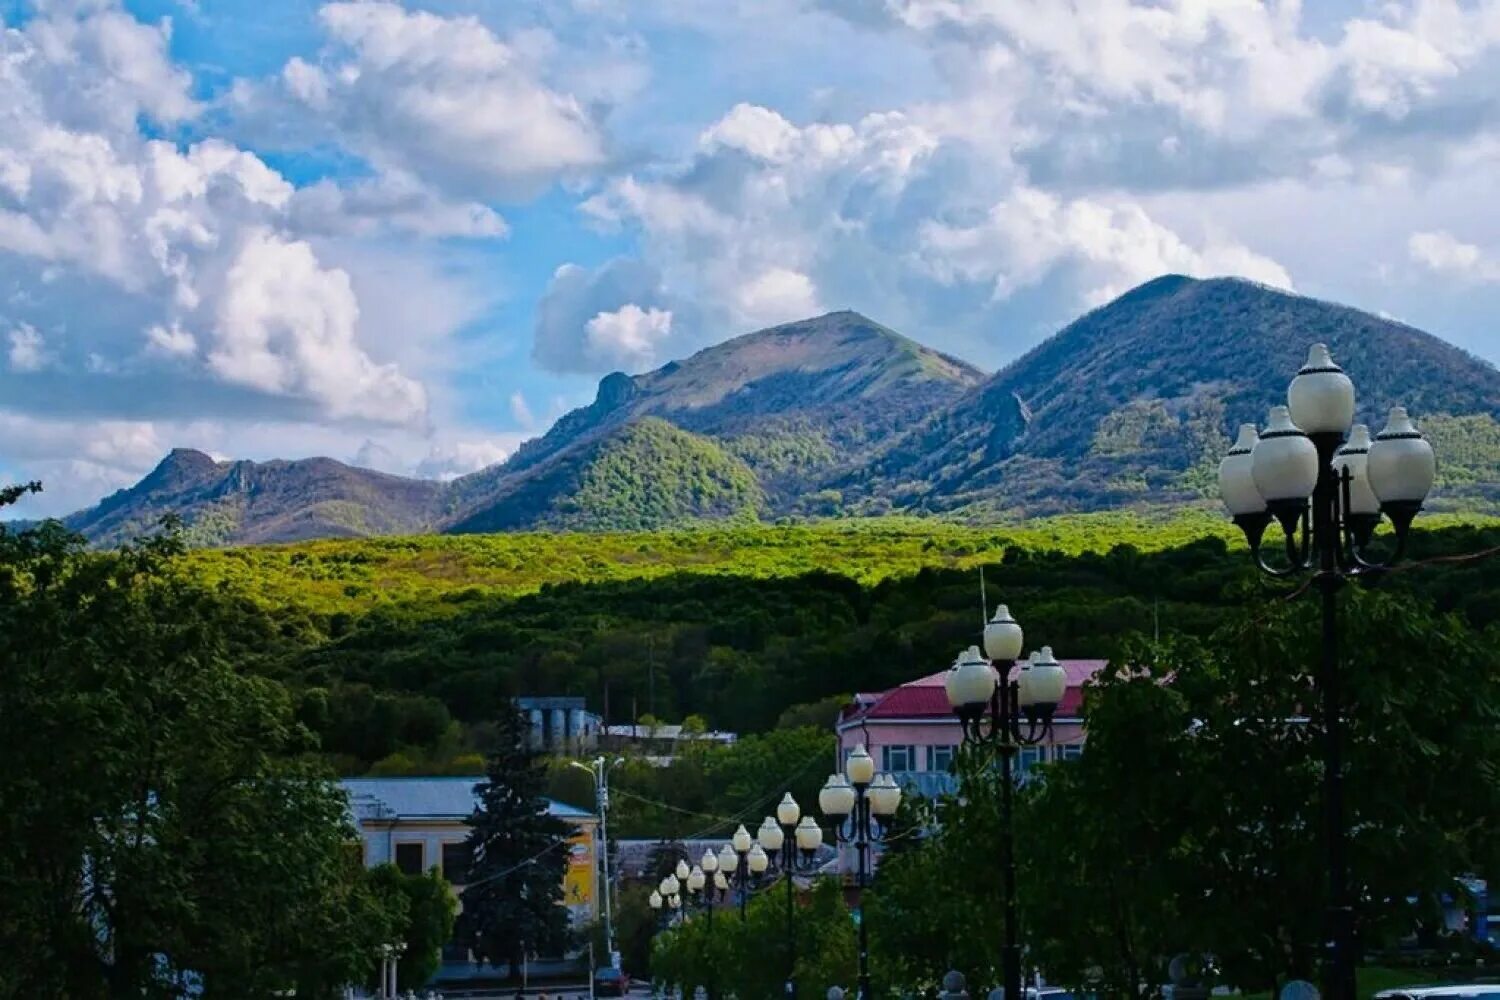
(925, 697)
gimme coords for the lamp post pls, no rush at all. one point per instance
(742, 861)
(711, 883)
(991, 706)
(1328, 486)
(860, 803)
(706, 882)
(793, 840)
(599, 770)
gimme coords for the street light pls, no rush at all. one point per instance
(1328, 486)
(991, 707)
(599, 770)
(860, 803)
(707, 883)
(742, 861)
(793, 840)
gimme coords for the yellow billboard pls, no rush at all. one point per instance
(578, 882)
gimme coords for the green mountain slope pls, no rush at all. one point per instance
(1129, 406)
(797, 403)
(638, 476)
(1134, 403)
(223, 502)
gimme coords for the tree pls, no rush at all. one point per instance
(738, 952)
(513, 904)
(1098, 841)
(1192, 822)
(427, 907)
(166, 821)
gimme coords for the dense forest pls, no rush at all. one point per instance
(400, 651)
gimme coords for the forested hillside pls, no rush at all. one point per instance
(408, 646)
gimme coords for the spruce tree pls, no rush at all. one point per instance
(513, 904)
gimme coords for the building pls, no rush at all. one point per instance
(560, 725)
(419, 824)
(659, 743)
(912, 733)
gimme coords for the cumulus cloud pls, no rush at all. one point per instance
(771, 220)
(459, 458)
(629, 336)
(1443, 253)
(286, 325)
(444, 99)
(1031, 233)
(593, 320)
(1155, 95)
(189, 239)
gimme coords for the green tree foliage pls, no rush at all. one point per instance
(427, 907)
(1208, 757)
(165, 821)
(748, 956)
(919, 898)
(513, 902)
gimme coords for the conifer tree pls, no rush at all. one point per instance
(513, 903)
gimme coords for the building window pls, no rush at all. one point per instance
(1029, 758)
(900, 758)
(409, 857)
(456, 860)
(1070, 751)
(940, 757)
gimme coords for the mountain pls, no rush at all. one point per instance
(797, 404)
(242, 502)
(1136, 400)
(636, 476)
(1130, 405)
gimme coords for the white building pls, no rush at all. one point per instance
(419, 824)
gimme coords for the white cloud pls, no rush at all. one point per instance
(771, 220)
(391, 201)
(287, 325)
(26, 349)
(172, 341)
(570, 334)
(1443, 253)
(171, 239)
(629, 336)
(777, 295)
(1031, 233)
(458, 458)
(444, 99)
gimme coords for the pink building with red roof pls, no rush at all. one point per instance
(912, 732)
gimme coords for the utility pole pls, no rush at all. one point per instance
(599, 768)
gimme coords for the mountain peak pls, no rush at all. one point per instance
(1134, 401)
(180, 466)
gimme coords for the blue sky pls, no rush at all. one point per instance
(411, 235)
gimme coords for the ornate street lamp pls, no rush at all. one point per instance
(743, 861)
(1004, 714)
(793, 840)
(861, 803)
(1328, 486)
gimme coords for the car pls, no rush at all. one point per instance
(610, 982)
(1455, 991)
